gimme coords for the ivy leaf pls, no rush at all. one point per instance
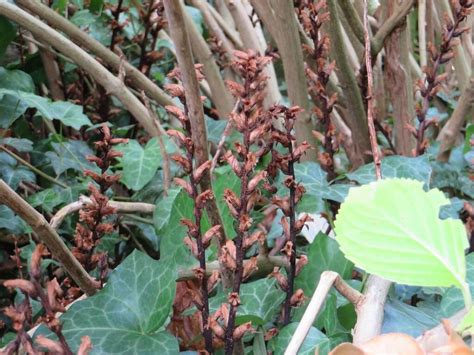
(13, 173)
(69, 114)
(260, 302)
(70, 155)
(400, 317)
(47, 199)
(226, 179)
(315, 341)
(20, 144)
(128, 315)
(16, 80)
(139, 164)
(452, 299)
(323, 254)
(173, 233)
(11, 222)
(162, 212)
(391, 228)
(395, 167)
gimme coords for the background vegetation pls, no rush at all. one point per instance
(236, 176)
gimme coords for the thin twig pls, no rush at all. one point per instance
(138, 79)
(326, 282)
(32, 168)
(370, 104)
(370, 309)
(49, 236)
(225, 134)
(121, 207)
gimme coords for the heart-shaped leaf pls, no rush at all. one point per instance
(128, 315)
(392, 228)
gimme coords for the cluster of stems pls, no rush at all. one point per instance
(153, 22)
(52, 300)
(92, 216)
(431, 85)
(254, 123)
(195, 240)
(285, 163)
(312, 16)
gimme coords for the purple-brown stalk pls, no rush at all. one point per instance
(432, 83)
(312, 16)
(92, 226)
(52, 301)
(291, 227)
(153, 21)
(195, 240)
(254, 123)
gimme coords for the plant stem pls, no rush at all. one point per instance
(32, 168)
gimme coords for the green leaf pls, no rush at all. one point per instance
(315, 340)
(400, 317)
(10, 221)
(261, 301)
(8, 31)
(20, 144)
(139, 164)
(226, 179)
(324, 254)
(391, 228)
(467, 323)
(453, 301)
(163, 208)
(13, 173)
(314, 179)
(16, 80)
(396, 167)
(173, 233)
(10, 109)
(70, 155)
(129, 314)
(69, 114)
(47, 199)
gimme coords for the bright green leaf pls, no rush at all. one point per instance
(391, 228)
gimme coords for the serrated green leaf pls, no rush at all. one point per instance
(391, 228)
(69, 114)
(128, 315)
(140, 164)
(315, 340)
(396, 167)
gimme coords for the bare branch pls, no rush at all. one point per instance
(326, 282)
(49, 236)
(138, 79)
